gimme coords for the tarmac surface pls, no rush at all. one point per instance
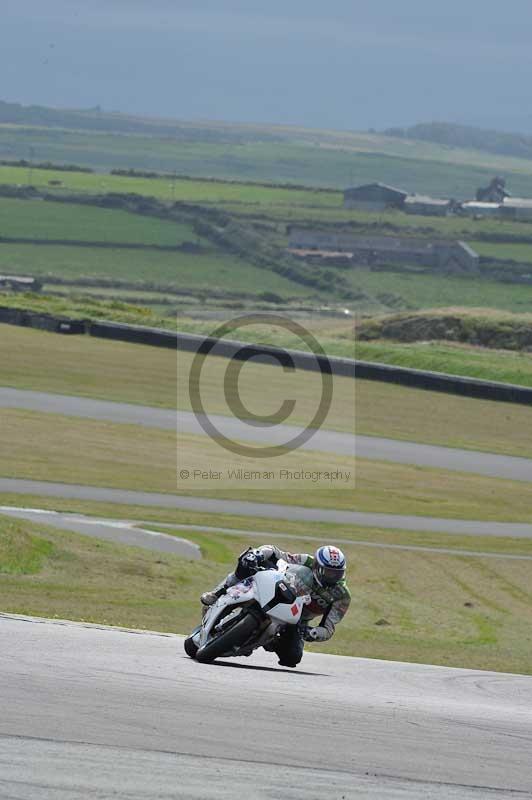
(372, 447)
(111, 530)
(137, 534)
(89, 711)
(518, 530)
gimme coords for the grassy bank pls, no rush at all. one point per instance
(499, 365)
(454, 610)
(438, 340)
(480, 326)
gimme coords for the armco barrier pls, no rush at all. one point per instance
(157, 337)
(341, 367)
(344, 367)
(45, 322)
(441, 382)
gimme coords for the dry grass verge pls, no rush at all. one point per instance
(54, 448)
(452, 610)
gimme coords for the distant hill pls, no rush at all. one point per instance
(469, 138)
(104, 140)
(96, 120)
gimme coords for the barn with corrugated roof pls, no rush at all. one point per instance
(374, 197)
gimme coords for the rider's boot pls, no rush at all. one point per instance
(210, 598)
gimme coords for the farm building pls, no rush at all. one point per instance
(494, 193)
(426, 206)
(495, 202)
(516, 208)
(441, 255)
(374, 197)
(310, 239)
(476, 208)
(19, 283)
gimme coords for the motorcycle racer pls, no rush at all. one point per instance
(322, 576)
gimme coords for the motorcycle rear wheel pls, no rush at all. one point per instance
(238, 634)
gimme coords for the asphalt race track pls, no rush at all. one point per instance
(89, 711)
(372, 447)
(330, 441)
(518, 530)
(118, 531)
(135, 533)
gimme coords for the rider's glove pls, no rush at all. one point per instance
(317, 634)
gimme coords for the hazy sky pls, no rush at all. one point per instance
(350, 64)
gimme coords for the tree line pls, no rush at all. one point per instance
(467, 137)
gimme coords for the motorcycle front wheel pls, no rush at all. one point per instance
(191, 648)
(237, 635)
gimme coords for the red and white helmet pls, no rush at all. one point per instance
(329, 565)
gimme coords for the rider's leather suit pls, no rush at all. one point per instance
(331, 603)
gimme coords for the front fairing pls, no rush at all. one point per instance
(274, 604)
(260, 590)
(236, 596)
(288, 614)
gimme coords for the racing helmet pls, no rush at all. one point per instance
(329, 565)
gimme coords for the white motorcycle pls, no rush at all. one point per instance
(250, 615)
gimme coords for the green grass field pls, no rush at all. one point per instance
(326, 158)
(216, 267)
(168, 190)
(445, 609)
(283, 204)
(440, 291)
(211, 269)
(190, 133)
(515, 252)
(38, 219)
